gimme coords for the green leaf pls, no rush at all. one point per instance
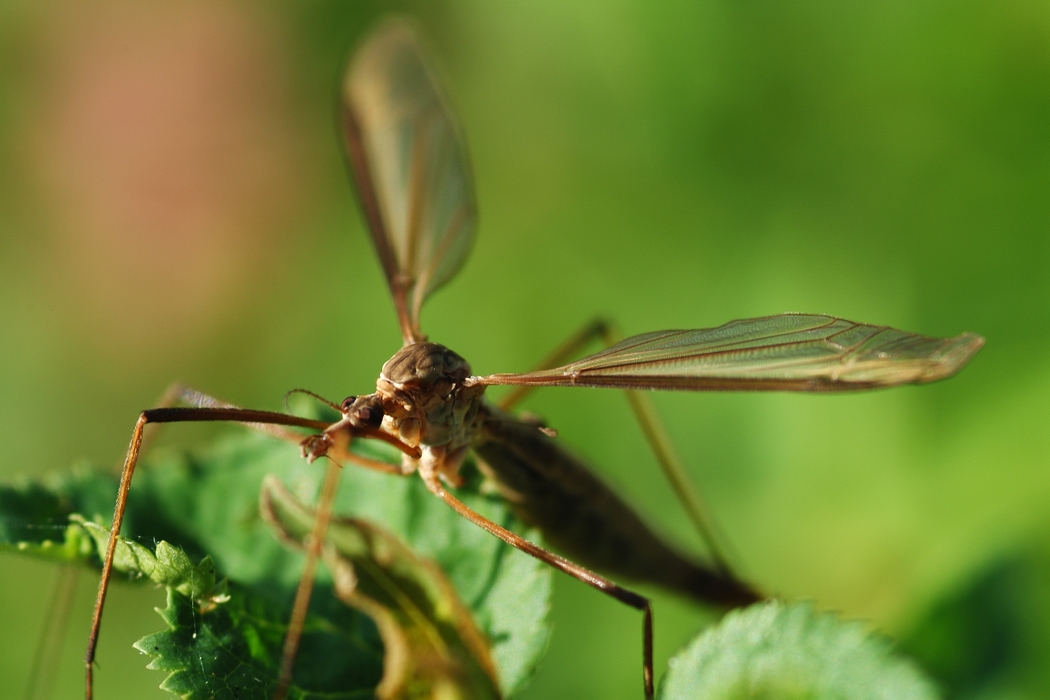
(232, 650)
(35, 517)
(225, 640)
(432, 644)
(167, 566)
(206, 505)
(787, 652)
(214, 497)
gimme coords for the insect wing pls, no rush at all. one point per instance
(411, 168)
(790, 352)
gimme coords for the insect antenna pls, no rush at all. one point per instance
(311, 394)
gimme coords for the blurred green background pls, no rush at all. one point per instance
(173, 205)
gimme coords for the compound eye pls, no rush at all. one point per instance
(347, 403)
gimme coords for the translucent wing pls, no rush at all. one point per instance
(790, 352)
(410, 166)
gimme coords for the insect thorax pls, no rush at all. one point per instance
(424, 399)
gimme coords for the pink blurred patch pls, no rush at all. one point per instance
(166, 162)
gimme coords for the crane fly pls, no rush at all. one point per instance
(409, 163)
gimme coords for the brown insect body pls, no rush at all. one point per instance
(427, 403)
(422, 390)
(580, 516)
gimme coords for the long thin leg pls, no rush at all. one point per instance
(165, 415)
(180, 393)
(573, 569)
(49, 646)
(41, 682)
(652, 427)
(306, 579)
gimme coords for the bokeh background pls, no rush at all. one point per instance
(173, 205)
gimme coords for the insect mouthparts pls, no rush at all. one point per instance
(368, 416)
(363, 411)
(314, 446)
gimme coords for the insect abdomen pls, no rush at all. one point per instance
(583, 518)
